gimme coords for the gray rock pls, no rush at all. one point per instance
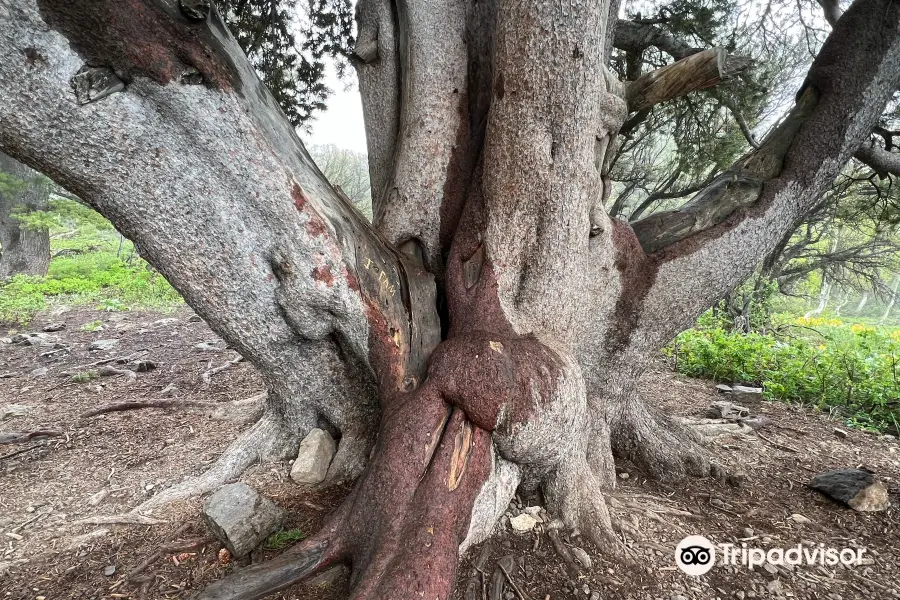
(315, 454)
(743, 393)
(723, 389)
(40, 372)
(860, 490)
(55, 327)
(194, 319)
(14, 410)
(523, 523)
(107, 344)
(109, 570)
(723, 409)
(34, 339)
(240, 517)
(164, 322)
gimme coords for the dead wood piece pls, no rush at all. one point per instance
(502, 565)
(208, 374)
(21, 437)
(108, 371)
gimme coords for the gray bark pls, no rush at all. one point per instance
(23, 250)
(490, 125)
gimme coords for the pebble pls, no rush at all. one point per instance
(595, 595)
(109, 570)
(748, 532)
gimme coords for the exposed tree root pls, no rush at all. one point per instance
(249, 409)
(657, 444)
(268, 440)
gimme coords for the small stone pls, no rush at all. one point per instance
(800, 519)
(740, 595)
(109, 570)
(99, 497)
(766, 540)
(717, 503)
(723, 389)
(888, 437)
(534, 511)
(142, 366)
(840, 433)
(55, 327)
(748, 532)
(595, 595)
(169, 390)
(164, 322)
(207, 347)
(40, 372)
(585, 589)
(194, 319)
(624, 475)
(509, 596)
(240, 518)
(523, 522)
(315, 454)
(106, 344)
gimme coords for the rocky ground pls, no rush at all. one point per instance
(55, 490)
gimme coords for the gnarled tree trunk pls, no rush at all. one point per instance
(488, 329)
(23, 250)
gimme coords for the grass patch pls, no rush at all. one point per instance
(850, 369)
(283, 539)
(92, 265)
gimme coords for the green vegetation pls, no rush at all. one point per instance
(91, 264)
(849, 369)
(283, 539)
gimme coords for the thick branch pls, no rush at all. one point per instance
(216, 190)
(637, 37)
(696, 72)
(703, 250)
(882, 161)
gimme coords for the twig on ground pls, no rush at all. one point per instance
(155, 555)
(511, 582)
(23, 451)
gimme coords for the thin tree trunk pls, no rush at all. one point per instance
(25, 250)
(891, 302)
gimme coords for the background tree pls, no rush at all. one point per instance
(492, 305)
(348, 171)
(24, 241)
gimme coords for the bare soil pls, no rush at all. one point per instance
(46, 486)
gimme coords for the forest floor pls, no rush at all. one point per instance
(110, 463)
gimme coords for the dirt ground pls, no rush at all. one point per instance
(108, 464)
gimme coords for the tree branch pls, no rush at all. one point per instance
(184, 170)
(696, 72)
(746, 211)
(881, 161)
(635, 37)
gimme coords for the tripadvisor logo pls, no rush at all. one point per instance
(696, 555)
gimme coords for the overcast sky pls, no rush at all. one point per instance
(341, 123)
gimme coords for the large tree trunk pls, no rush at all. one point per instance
(489, 328)
(25, 250)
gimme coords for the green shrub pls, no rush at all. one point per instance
(850, 368)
